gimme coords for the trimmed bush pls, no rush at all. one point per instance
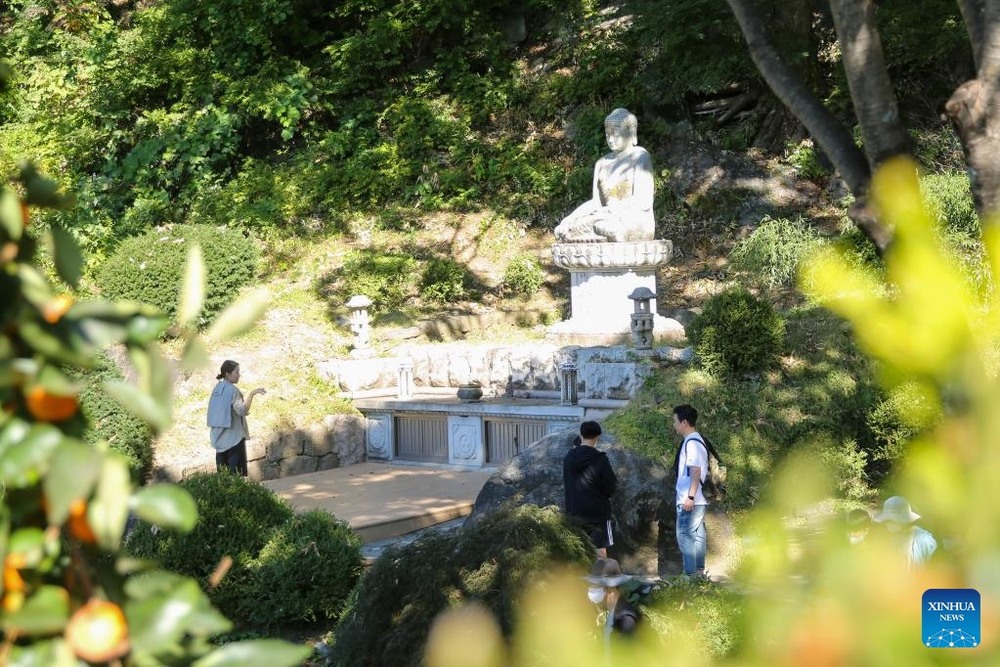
(523, 276)
(305, 572)
(737, 334)
(236, 518)
(149, 268)
(771, 255)
(491, 562)
(108, 421)
(286, 568)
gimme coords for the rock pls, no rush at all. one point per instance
(298, 465)
(642, 506)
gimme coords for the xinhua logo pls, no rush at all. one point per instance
(951, 618)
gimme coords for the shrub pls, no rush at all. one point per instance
(491, 563)
(108, 421)
(149, 268)
(305, 572)
(771, 255)
(523, 276)
(387, 279)
(949, 198)
(236, 518)
(444, 281)
(737, 334)
(900, 416)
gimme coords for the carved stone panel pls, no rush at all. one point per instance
(465, 440)
(378, 436)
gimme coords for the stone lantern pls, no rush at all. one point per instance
(360, 326)
(642, 319)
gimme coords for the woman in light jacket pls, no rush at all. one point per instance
(227, 418)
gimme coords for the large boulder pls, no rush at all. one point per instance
(643, 505)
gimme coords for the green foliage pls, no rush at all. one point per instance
(804, 158)
(523, 275)
(903, 413)
(387, 279)
(717, 610)
(305, 571)
(772, 254)
(737, 334)
(304, 565)
(69, 592)
(236, 518)
(949, 198)
(149, 268)
(491, 562)
(445, 281)
(108, 421)
(823, 394)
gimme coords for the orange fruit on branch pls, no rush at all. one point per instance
(77, 523)
(49, 407)
(97, 632)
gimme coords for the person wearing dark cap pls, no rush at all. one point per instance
(589, 482)
(605, 577)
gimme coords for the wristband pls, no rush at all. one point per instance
(690, 497)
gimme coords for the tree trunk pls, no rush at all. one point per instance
(835, 140)
(974, 108)
(868, 80)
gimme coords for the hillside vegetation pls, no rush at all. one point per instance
(422, 152)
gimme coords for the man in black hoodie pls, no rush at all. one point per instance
(590, 482)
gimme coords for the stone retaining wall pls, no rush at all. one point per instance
(338, 441)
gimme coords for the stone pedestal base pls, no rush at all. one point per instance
(602, 276)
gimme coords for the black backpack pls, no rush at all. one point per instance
(714, 486)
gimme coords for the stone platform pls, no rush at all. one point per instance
(382, 500)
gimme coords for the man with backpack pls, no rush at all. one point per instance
(692, 466)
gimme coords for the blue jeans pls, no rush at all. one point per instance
(691, 538)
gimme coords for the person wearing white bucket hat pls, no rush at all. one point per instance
(919, 544)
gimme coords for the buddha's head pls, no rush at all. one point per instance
(621, 129)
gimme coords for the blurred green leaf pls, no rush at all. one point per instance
(195, 355)
(139, 403)
(153, 583)
(50, 653)
(30, 543)
(34, 286)
(256, 653)
(45, 611)
(10, 214)
(42, 191)
(72, 475)
(23, 459)
(166, 506)
(192, 296)
(158, 623)
(146, 328)
(67, 256)
(108, 511)
(55, 381)
(40, 339)
(239, 317)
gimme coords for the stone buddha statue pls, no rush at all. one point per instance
(621, 208)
